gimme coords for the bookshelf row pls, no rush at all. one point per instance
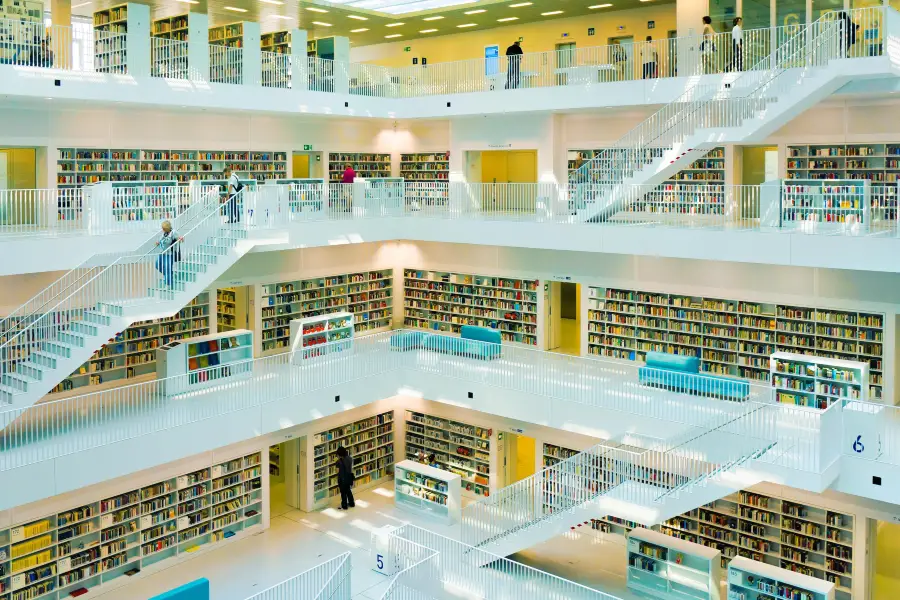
(802, 538)
(20, 22)
(76, 167)
(369, 441)
(225, 309)
(879, 163)
(731, 337)
(132, 353)
(64, 554)
(429, 166)
(445, 301)
(365, 294)
(365, 164)
(460, 448)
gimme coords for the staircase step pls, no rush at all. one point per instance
(7, 393)
(43, 358)
(30, 369)
(111, 309)
(70, 337)
(95, 317)
(190, 267)
(57, 348)
(17, 381)
(82, 327)
(163, 293)
(212, 249)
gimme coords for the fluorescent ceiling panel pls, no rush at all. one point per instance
(399, 7)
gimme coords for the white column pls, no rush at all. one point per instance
(137, 40)
(341, 65)
(689, 21)
(299, 62)
(198, 46)
(252, 59)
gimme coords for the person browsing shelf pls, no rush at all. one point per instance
(348, 175)
(168, 255)
(345, 478)
(233, 201)
(432, 461)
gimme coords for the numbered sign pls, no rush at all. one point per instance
(382, 558)
(863, 430)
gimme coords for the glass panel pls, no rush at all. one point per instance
(791, 12)
(723, 13)
(757, 13)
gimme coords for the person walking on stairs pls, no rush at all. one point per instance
(234, 187)
(165, 262)
(345, 478)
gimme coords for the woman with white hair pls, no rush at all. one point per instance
(167, 258)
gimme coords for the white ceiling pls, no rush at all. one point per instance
(378, 18)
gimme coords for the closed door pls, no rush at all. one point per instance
(300, 166)
(522, 166)
(565, 55)
(495, 166)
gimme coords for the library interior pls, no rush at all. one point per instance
(449, 299)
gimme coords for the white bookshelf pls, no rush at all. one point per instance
(235, 59)
(879, 163)
(367, 295)
(93, 544)
(369, 441)
(445, 301)
(21, 22)
(731, 337)
(667, 567)
(313, 337)
(132, 353)
(427, 490)
(122, 39)
(205, 360)
(459, 448)
(425, 166)
(817, 382)
(189, 57)
(226, 309)
(826, 205)
(76, 167)
(132, 202)
(553, 454)
(749, 580)
(368, 165)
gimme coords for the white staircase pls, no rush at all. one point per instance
(49, 337)
(805, 68)
(648, 486)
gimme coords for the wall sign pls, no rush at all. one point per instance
(590, 31)
(415, 60)
(307, 146)
(499, 145)
(491, 59)
(562, 278)
(651, 24)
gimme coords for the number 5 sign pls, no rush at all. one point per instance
(383, 559)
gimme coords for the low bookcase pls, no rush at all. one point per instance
(203, 361)
(313, 337)
(750, 579)
(427, 490)
(667, 567)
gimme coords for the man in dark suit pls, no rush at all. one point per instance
(514, 60)
(345, 478)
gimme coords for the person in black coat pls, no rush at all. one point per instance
(345, 478)
(514, 58)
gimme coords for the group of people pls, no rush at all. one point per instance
(36, 53)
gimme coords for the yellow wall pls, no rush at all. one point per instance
(753, 164)
(886, 582)
(525, 458)
(21, 168)
(538, 37)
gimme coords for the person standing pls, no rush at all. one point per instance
(347, 178)
(514, 62)
(708, 46)
(345, 478)
(234, 187)
(165, 262)
(649, 59)
(737, 45)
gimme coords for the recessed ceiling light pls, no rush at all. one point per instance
(358, 30)
(357, 17)
(184, 1)
(279, 2)
(437, 18)
(282, 17)
(520, 4)
(321, 23)
(79, 6)
(394, 24)
(428, 31)
(393, 35)
(467, 25)
(552, 12)
(474, 12)
(231, 8)
(507, 19)
(599, 6)
(312, 9)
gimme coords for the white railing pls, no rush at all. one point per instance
(169, 58)
(25, 212)
(276, 69)
(456, 569)
(226, 64)
(327, 581)
(31, 44)
(110, 53)
(321, 74)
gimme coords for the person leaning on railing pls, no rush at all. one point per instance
(165, 262)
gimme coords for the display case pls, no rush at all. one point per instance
(750, 580)
(199, 362)
(323, 335)
(665, 567)
(815, 381)
(428, 490)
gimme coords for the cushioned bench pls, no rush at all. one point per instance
(195, 590)
(475, 342)
(682, 374)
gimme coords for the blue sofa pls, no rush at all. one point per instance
(682, 374)
(195, 590)
(482, 343)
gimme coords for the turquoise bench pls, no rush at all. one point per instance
(682, 374)
(195, 590)
(482, 343)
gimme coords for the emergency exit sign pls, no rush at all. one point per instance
(307, 146)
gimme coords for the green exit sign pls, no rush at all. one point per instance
(407, 49)
(307, 146)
